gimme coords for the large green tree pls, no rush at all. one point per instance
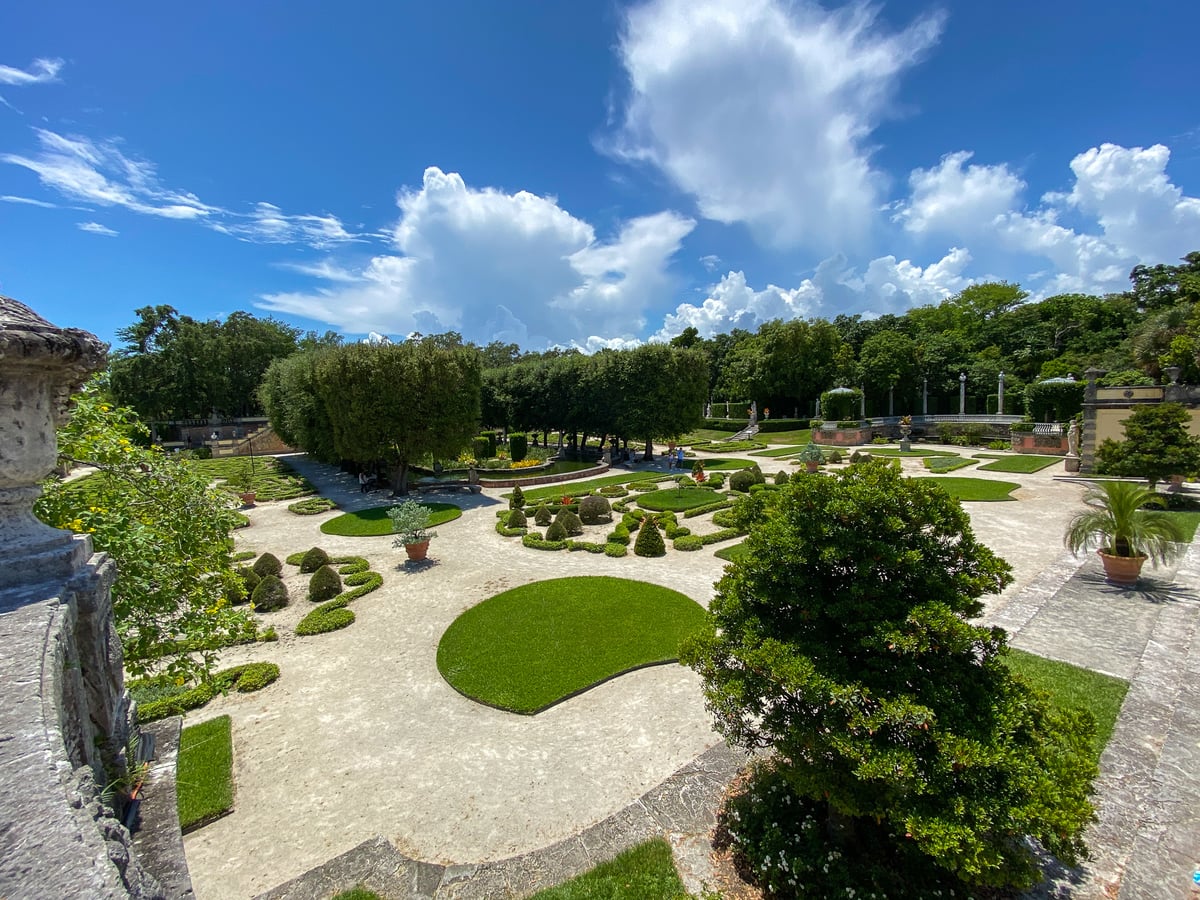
(395, 403)
(165, 527)
(842, 642)
(175, 367)
(1157, 445)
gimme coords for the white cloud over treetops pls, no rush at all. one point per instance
(505, 266)
(763, 110)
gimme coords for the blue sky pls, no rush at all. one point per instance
(590, 174)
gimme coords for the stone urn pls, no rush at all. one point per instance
(40, 367)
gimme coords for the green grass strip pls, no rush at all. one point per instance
(736, 553)
(721, 464)
(374, 522)
(977, 490)
(942, 464)
(1189, 519)
(204, 774)
(875, 450)
(531, 647)
(581, 488)
(1024, 464)
(777, 452)
(644, 872)
(1073, 687)
(799, 436)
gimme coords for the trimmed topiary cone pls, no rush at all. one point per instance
(313, 560)
(270, 595)
(324, 585)
(516, 519)
(571, 523)
(517, 500)
(543, 517)
(556, 532)
(267, 564)
(649, 540)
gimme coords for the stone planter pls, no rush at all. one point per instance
(1121, 570)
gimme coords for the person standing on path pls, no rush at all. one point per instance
(679, 459)
(362, 481)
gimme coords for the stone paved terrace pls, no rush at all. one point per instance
(301, 789)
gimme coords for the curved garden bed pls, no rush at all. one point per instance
(374, 522)
(678, 499)
(531, 647)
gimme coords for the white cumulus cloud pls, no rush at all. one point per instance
(886, 285)
(763, 109)
(503, 266)
(958, 199)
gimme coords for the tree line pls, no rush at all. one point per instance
(175, 367)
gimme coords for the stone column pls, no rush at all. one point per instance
(924, 396)
(1000, 395)
(1087, 449)
(962, 394)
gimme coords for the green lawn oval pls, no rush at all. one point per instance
(529, 648)
(374, 522)
(678, 499)
(977, 489)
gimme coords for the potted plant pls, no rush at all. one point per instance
(243, 483)
(1125, 533)
(812, 457)
(410, 522)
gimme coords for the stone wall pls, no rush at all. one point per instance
(64, 714)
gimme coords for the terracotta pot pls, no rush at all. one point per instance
(811, 466)
(416, 552)
(1122, 570)
(248, 498)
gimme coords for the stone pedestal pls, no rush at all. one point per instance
(1071, 464)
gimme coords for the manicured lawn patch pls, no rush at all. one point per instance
(1189, 519)
(977, 489)
(735, 553)
(204, 776)
(1024, 464)
(907, 454)
(720, 464)
(942, 464)
(644, 872)
(374, 522)
(729, 446)
(800, 436)
(357, 893)
(558, 467)
(678, 499)
(580, 488)
(705, 434)
(1071, 686)
(528, 648)
(776, 452)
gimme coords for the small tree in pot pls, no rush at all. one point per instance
(410, 522)
(1125, 533)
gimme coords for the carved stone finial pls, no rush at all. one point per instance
(41, 366)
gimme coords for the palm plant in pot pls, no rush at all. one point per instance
(410, 522)
(1124, 532)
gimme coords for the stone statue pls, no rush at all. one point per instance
(1073, 438)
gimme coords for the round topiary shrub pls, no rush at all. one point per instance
(324, 585)
(313, 560)
(649, 540)
(742, 481)
(570, 522)
(835, 455)
(270, 595)
(267, 564)
(594, 509)
(516, 519)
(781, 477)
(613, 490)
(543, 517)
(517, 498)
(556, 532)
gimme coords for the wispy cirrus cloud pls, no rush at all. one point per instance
(40, 71)
(101, 173)
(28, 201)
(96, 228)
